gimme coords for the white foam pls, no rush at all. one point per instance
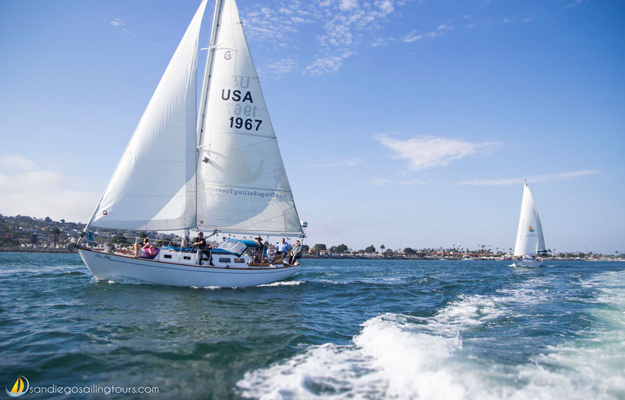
(404, 357)
(467, 311)
(388, 359)
(412, 363)
(531, 292)
(206, 287)
(282, 283)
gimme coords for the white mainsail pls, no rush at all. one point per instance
(220, 171)
(241, 180)
(530, 240)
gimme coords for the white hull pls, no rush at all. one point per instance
(108, 266)
(527, 263)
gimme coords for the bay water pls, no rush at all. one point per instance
(339, 329)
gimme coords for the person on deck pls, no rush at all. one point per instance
(200, 244)
(283, 249)
(90, 241)
(148, 250)
(259, 257)
(296, 252)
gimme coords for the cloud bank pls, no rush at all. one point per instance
(339, 26)
(424, 152)
(33, 190)
(561, 176)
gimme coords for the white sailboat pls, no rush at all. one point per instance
(214, 168)
(530, 241)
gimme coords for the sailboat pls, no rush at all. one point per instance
(530, 241)
(215, 167)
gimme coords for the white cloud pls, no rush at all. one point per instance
(339, 164)
(386, 181)
(386, 6)
(562, 176)
(29, 189)
(327, 64)
(345, 5)
(119, 23)
(280, 67)
(275, 27)
(343, 27)
(413, 36)
(440, 30)
(429, 152)
(13, 162)
(575, 3)
(380, 42)
(338, 26)
(381, 181)
(528, 19)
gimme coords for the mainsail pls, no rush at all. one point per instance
(220, 171)
(530, 240)
(242, 183)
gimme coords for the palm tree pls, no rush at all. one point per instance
(56, 232)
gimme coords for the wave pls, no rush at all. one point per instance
(207, 287)
(389, 358)
(406, 357)
(282, 283)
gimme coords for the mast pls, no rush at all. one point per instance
(204, 95)
(208, 70)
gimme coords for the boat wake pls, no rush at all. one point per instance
(282, 283)
(445, 357)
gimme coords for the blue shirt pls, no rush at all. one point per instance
(283, 247)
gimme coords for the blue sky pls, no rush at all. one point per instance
(403, 123)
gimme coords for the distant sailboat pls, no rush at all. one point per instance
(530, 241)
(217, 168)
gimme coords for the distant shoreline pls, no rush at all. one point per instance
(34, 250)
(63, 250)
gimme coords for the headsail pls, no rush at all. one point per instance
(530, 240)
(241, 181)
(153, 186)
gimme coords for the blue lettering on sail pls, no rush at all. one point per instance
(248, 192)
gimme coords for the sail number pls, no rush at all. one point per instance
(244, 115)
(248, 123)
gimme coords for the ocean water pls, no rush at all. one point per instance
(339, 329)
